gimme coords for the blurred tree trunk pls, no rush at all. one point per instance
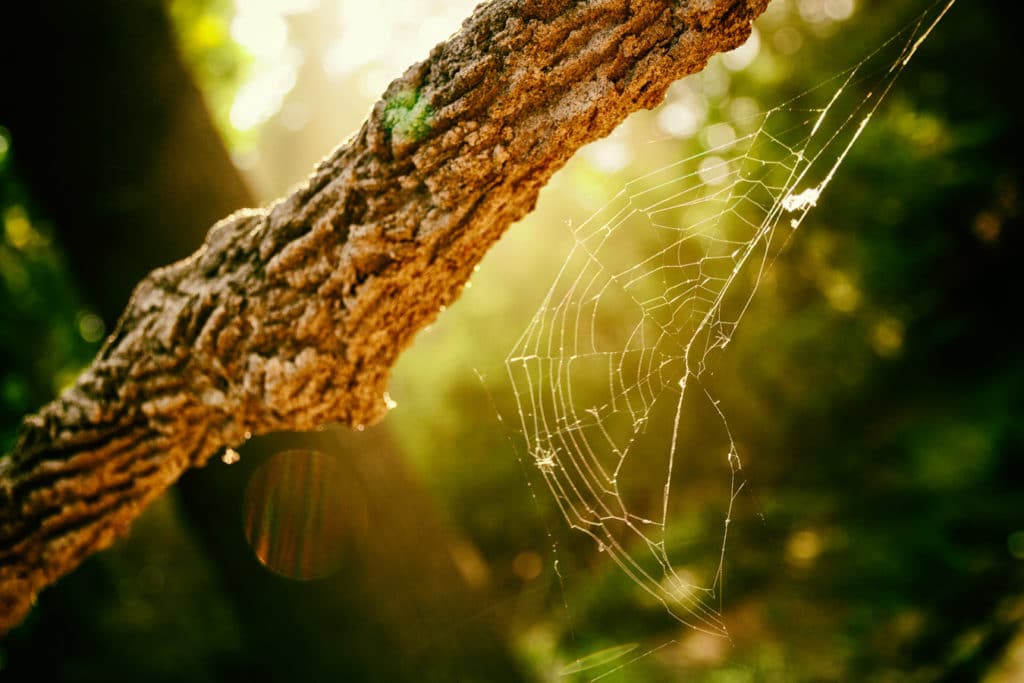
(114, 140)
(291, 317)
(117, 147)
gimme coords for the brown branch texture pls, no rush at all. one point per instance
(291, 316)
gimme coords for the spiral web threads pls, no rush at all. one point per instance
(656, 284)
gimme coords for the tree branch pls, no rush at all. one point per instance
(292, 316)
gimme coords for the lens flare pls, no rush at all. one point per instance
(293, 518)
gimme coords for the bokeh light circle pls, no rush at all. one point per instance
(292, 515)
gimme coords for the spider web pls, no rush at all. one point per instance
(655, 285)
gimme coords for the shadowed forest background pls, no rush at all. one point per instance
(874, 388)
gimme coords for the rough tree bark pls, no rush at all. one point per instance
(292, 316)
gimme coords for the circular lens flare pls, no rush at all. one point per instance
(293, 518)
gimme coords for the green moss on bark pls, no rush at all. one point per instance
(407, 116)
